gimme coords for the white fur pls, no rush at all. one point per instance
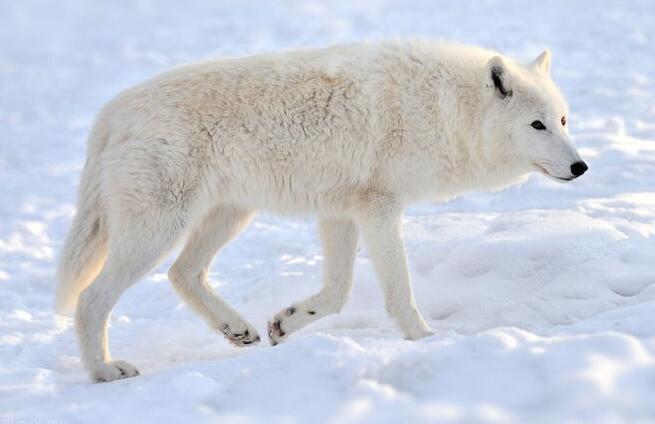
(351, 134)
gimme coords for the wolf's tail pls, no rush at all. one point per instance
(85, 248)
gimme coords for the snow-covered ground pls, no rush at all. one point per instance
(542, 296)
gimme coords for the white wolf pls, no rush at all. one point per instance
(351, 134)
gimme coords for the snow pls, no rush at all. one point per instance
(542, 297)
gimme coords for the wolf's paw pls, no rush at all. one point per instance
(284, 323)
(114, 370)
(418, 333)
(240, 334)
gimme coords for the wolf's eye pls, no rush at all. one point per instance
(563, 120)
(537, 125)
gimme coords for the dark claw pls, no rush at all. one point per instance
(270, 334)
(137, 372)
(278, 326)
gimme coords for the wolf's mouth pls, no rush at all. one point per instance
(544, 171)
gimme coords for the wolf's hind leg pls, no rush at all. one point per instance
(133, 252)
(339, 238)
(189, 273)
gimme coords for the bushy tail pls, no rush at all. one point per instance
(84, 251)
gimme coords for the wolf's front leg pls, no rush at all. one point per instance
(380, 222)
(339, 238)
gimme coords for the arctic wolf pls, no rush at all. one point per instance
(352, 134)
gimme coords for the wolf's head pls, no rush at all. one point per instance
(527, 116)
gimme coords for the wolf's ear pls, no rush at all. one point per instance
(498, 77)
(542, 61)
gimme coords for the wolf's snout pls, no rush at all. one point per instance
(578, 168)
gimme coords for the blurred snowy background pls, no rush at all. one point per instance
(542, 297)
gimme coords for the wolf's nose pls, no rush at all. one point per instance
(579, 168)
